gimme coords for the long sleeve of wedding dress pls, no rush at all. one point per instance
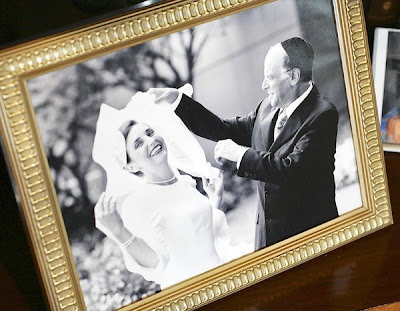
(150, 228)
(177, 222)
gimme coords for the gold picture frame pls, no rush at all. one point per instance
(35, 189)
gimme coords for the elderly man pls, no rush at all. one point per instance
(287, 144)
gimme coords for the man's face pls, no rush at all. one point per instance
(277, 76)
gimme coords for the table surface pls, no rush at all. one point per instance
(359, 275)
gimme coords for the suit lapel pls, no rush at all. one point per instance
(295, 121)
(267, 126)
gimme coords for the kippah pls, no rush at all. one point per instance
(301, 54)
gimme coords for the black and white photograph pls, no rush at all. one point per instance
(183, 153)
(386, 68)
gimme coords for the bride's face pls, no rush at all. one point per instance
(144, 147)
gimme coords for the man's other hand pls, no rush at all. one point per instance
(229, 150)
(164, 95)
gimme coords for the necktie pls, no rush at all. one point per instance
(280, 122)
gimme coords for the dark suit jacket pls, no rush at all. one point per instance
(295, 185)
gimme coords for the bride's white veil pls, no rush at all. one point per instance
(184, 152)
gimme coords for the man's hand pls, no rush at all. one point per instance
(164, 95)
(229, 150)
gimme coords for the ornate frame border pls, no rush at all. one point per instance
(36, 194)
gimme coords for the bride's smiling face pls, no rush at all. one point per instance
(144, 147)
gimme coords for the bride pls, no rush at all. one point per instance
(167, 230)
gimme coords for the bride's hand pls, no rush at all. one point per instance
(214, 189)
(107, 219)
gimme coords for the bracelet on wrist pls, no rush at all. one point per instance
(129, 242)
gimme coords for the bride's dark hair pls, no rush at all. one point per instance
(125, 129)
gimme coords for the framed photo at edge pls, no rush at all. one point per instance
(386, 71)
(179, 153)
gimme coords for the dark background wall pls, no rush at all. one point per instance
(21, 21)
(26, 20)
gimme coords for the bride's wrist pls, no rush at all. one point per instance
(122, 236)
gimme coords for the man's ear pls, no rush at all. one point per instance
(295, 76)
(132, 167)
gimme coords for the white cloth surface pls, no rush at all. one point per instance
(179, 224)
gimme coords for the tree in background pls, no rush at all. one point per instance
(167, 62)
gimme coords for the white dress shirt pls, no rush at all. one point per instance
(288, 111)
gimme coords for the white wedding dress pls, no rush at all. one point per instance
(179, 224)
(176, 221)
